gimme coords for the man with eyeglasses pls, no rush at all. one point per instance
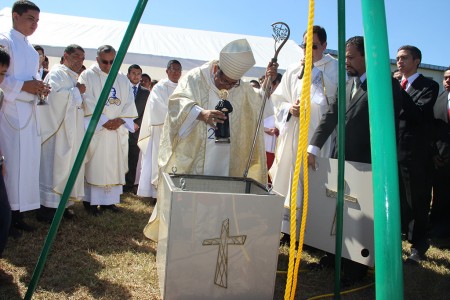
(154, 117)
(188, 139)
(62, 131)
(107, 156)
(286, 101)
(19, 130)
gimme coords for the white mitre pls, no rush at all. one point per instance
(236, 58)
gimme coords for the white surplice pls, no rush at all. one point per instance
(62, 131)
(106, 159)
(20, 142)
(152, 123)
(323, 92)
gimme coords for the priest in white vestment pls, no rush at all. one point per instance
(19, 126)
(285, 99)
(62, 131)
(152, 125)
(188, 138)
(107, 156)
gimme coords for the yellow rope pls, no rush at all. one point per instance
(343, 293)
(304, 119)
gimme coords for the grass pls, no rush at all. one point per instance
(107, 257)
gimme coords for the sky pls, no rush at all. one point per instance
(414, 22)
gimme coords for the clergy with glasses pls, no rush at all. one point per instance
(107, 156)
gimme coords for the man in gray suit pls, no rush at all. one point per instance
(357, 132)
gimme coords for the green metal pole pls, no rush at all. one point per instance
(84, 145)
(388, 246)
(341, 149)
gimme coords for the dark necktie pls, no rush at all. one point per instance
(134, 91)
(404, 83)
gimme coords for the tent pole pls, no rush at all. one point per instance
(388, 246)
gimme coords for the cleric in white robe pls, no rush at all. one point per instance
(106, 159)
(19, 127)
(152, 125)
(188, 141)
(62, 129)
(324, 80)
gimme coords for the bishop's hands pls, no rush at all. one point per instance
(114, 124)
(211, 117)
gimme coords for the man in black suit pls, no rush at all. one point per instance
(415, 150)
(357, 132)
(440, 211)
(140, 99)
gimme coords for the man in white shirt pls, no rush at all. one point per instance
(19, 127)
(154, 117)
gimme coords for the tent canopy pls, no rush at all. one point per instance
(152, 45)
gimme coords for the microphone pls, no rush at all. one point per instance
(302, 72)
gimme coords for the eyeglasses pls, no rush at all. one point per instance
(224, 82)
(303, 46)
(107, 62)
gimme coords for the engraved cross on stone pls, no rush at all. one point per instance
(333, 194)
(221, 276)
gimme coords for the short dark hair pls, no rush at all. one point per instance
(171, 62)
(134, 66)
(146, 76)
(37, 48)
(358, 42)
(277, 79)
(4, 57)
(72, 47)
(256, 82)
(22, 6)
(321, 33)
(413, 50)
(105, 49)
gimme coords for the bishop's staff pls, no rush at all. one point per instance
(281, 33)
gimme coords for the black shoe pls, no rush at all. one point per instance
(24, 226)
(111, 207)
(415, 258)
(285, 240)
(128, 189)
(69, 214)
(87, 206)
(325, 262)
(45, 214)
(14, 233)
(93, 210)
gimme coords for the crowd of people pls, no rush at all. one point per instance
(147, 127)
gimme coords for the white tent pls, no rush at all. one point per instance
(152, 46)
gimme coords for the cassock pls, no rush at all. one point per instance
(62, 131)
(20, 142)
(323, 91)
(149, 137)
(107, 155)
